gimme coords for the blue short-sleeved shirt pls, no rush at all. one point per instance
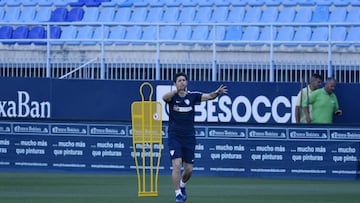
(182, 114)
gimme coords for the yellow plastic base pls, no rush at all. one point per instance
(148, 194)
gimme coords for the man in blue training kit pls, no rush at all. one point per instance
(181, 130)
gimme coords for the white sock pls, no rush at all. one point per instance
(182, 184)
(177, 192)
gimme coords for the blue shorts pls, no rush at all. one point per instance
(182, 147)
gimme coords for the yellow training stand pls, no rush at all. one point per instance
(147, 138)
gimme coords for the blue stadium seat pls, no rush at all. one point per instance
(167, 32)
(127, 3)
(240, 3)
(61, 3)
(307, 2)
(68, 33)
(75, 14)
(289, 2)
(2, 12)
(155, 15)
(338, 15)
(183, 3)
(122, 15)
(13, 3)
(234, 33)
(302, 34)
(21, 32)
(113, 3)
(133, 33)
(236, 15)
(324, 2)
(341, 2)
(117, 33)
(321, 14)
(256, 2)
(6, 32)
(37, 32)
(303, 15)
(55, 32)
(45, 3)
(148, 3)
(171, 14)
(286, 15)
(221, 3)
(87, 3)
(353, 35)
(253, 15)
(273, 2)
(203, 14)
(84, 33)
(149, 33)
(100, 33)
(285, 33)
(29, 3)
(139, 14)
(251, 33)
(270, 14)
(353, 15)
(320, 34)
(187, 15)
(91, 14)
(219, 33)
(12, 14)
(220, 14)
(338, 34)
(107, 14)
(266, 34)
(27, 14)
(59, 15)
(200, 33)
(183, 33)
(43, 14)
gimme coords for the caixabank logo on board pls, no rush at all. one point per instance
(238, 108)
(24, 106)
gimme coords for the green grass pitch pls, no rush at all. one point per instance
(101, 188)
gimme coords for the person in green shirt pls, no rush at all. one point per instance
(315, 83)
(324, 104)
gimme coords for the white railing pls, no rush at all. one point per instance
(213, 68)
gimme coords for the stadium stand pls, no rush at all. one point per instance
(297, 24)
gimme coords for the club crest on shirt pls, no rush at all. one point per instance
(187, 101)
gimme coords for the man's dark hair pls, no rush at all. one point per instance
(317, 76)
(180, 74)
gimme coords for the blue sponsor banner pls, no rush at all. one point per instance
(30, 128)
(227, 132)
(111, 100)
(267, 133)
(69, 129)
(345, 134)
(220, 150)
(108, 130)
(308, 133)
